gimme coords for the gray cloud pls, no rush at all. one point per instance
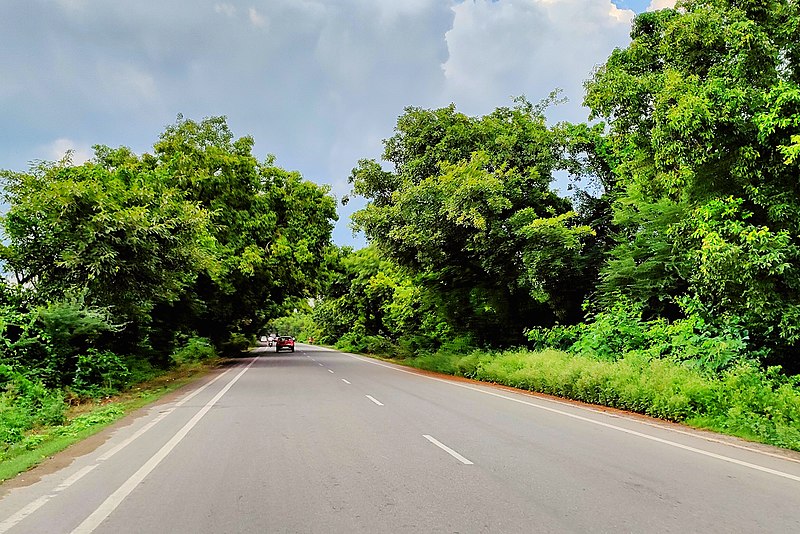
(318, 83)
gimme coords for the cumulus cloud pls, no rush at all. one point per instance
(660, 4)
(498, 50)
(226, 9)
(256, 18)
(61, 147)
(318, 83)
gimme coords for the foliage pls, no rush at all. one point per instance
(123, 240)
(742, 401)
(702, 114)
(374, 305)
(99, 373)
(271, 228)
(468, 210)
(299, 325)
(25, 404)
(196, 349)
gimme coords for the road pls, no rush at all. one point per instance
(321, 441)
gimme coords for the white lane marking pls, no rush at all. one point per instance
(41, 501)
(161, 416)
(345, 381)
(24, 512)
(330, 370)
(594, 422)
(373, 399)
(321, 365)
(113, 501)
(447, 449)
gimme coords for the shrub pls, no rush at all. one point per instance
(26, 404)
(743, 401)
(99, 373)
(236, 344)
(196, 349)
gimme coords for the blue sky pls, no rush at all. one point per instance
(317, 83)
(635, 5)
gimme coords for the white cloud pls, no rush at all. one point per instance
(320, 89)
(256, 18)
(128, 81)
(498, 50)
(660, 4)
(55, 151)
(226, 9)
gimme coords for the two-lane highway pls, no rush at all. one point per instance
(321, 441)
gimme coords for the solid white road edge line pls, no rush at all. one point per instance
(113, 501)
(44, 499)
(24, 512)
(447, 449)
(41, 501)
(161, 416)
(594, 422)
(373, 399)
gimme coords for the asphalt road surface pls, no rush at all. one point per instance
(321, 441)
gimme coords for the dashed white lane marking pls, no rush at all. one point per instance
(593, 422)
(114, 500)
(8, 523)
(330, 370)
(345, 381)
(447, 449)
(373, 399)
(321, 365)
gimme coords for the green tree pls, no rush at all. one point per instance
(270, 227)
(702, 109)
(468, 207)
(123, 240)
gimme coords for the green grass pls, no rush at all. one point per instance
(89, 418)
(744, 401)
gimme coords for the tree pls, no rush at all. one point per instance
(468, 205)
(702, 110)
(120, 239)
(271, 227)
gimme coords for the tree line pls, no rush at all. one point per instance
(121, 266)
(680, 234)
(667, 278)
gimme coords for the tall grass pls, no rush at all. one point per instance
(743, 400)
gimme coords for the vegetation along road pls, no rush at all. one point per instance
(324, 441)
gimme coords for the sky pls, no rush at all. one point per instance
(317, 83)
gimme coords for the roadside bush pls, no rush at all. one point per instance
(99, 373)
(357, 341)
(612, 335)
(25, 404)
(758, 405)
(196, 349)
(236, 344)
(743, 401)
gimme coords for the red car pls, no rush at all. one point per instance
(284, 342)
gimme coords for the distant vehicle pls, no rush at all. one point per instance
(284, 342)
(271, 339)
(263, 338)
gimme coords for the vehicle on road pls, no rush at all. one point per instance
(284, 342)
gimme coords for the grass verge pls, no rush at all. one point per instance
(88, 418)
(744, 401)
